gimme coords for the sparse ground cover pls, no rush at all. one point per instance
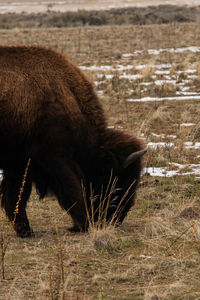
(155, 254)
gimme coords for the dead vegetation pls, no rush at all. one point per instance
(162, 14)
(155, 253)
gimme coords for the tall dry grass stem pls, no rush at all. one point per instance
(16, 212)
(4, 241)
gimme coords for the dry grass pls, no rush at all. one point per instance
(155, 253)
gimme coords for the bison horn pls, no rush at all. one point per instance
(132, 157)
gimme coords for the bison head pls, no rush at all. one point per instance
(111, 190)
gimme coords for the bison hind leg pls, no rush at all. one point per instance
(10, 187)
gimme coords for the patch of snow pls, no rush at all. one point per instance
(163, 172)
(162, 82)
(159, 171)
(163, 66)
(127, 55)
(154, 51)
(186, 71)
(158, 135)
(100, 93)
(131, 76)
(192, 76)
(140, 67)
(163, 136)
(195, 146)
(146, 83)
(145, 256)
(106, 68)
(167, 77)
(187, 124)
(184, 88)
(188, 143)
(125, 76)
(150, 99)
(107, 76)
(187, 93)
(162, 72)
(135, 53)
(160, 144)
(193, 49)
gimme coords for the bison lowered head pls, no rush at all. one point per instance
(112, 188)
(51, 117)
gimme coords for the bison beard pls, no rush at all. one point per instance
(49, 112)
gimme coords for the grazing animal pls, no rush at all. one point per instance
(50, 113)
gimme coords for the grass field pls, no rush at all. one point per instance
(155, 254)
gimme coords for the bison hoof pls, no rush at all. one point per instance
(74, 228)
(26, 234)
(23, 231)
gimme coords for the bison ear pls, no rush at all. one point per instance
(132, 157)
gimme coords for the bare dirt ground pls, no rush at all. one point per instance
(69, 5)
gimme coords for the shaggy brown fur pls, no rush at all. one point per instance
(50, 113)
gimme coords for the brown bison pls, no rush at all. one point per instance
(49, 112)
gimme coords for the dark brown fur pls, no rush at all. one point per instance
(50, 113)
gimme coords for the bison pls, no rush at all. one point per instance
(50, 113)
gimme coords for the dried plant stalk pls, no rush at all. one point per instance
(21, 191)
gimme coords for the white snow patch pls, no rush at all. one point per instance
(186, 71)
(193, 49)
(107, 68)
(162, 72)
(188, 143)
(163, 136)
(131, 76)
(163, 66)
(187, 93)
(187, 124)
(180, 98)
(100, 93)
(192, 76)
(140, 67)
(160, 144)
(159, 171)
(162, 82)
(146, 83)
(163, 172)
(145, 256)
(191, 146)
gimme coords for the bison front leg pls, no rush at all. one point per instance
(70, 197)
(65, 183)
(10, 188)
